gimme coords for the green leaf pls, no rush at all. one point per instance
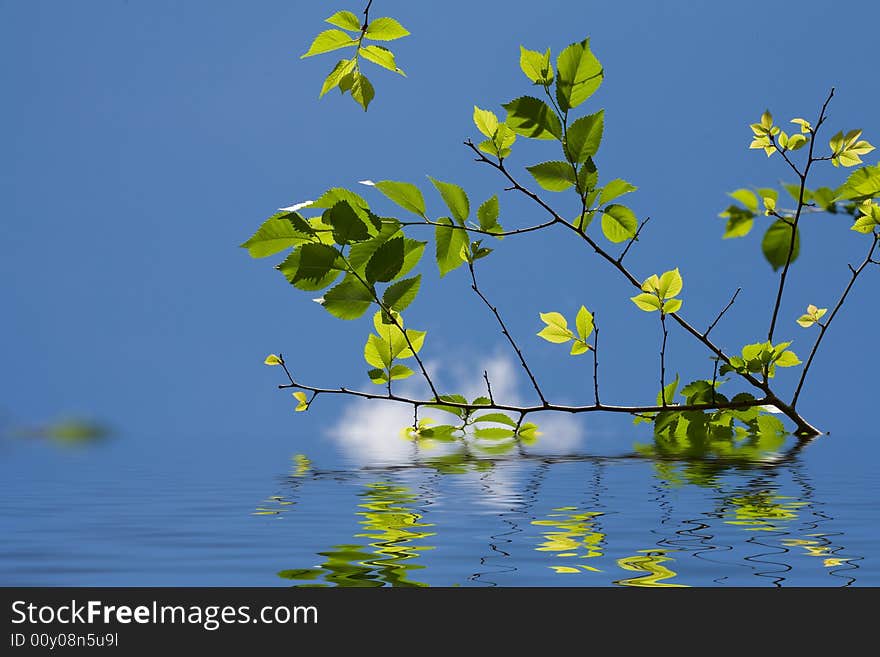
(362, 90)
(412, 254)
(498, 418)
(302, 399)
(487, 214)
(578, 347)
(316, 262)
(342, 68)
(777, 242)
(378, 376)
(329, 40)
(346, 20)
(557, 330)
(290, 269)
(402, 293)
(493, 433)
(486, 121)
(578, 75)
(455, 198)
(381, 56)
(336, 194)
(449, 243)
(864, 224)
(861, 184)
(584, 323)
(787, 359)
(377, 352)
(670, 284)
(668, 392)
(348, 300)
(406, 195)
(747, 198)
(585, 135)
(272, 359)
(347, 225)
(457, 399)
(619, 223)
(386, 262)
(533, 118)
(672, 306)
(647, 302)
(361, 252)
(739, 222)
(615, 189)
(385, 29)
(400, 372)
(553, 176)
(280, 231)
(536, 65)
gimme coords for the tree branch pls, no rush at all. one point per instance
(663, 359)
(506, 333)
(596, 360)
(526, 410)
(804, 429)
(721, 314)
(634, 239)
(797, 215)
(480, 231)
(823, 328)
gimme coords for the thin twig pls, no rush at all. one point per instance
(823, 328)
(714, 378)
(721, 314)
(527, 410)
(663, 359)
(488, 386)
(367, 16)
(506, 333)
(797, 216)
(596, 360)
(635, 238)
(478, 231)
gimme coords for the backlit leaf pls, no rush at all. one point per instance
(329, 40)
(402, 293)
(619, 224)
(449, 243)
(406, 195)
(348, 300)
(777, 243)
(553, 176)
(585, 135)
(455, 198)
(346, 20)
(385, 29)
(533, 118)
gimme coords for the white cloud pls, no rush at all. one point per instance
(368, 432)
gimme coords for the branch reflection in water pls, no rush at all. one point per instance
(759, 516)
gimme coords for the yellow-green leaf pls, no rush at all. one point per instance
(672, 306)
(578, 347)
(329, 40)
(670, 284)
(557, 330)
(584, 323)
(272, 359)
(486, 121)
(303, 400)
(647, 302)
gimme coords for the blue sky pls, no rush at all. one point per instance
(144, 141)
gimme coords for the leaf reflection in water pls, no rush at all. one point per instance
(392, 527)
